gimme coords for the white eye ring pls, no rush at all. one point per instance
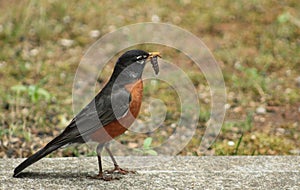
(140, 62)
(138, 57)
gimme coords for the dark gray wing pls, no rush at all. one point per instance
(103, 109)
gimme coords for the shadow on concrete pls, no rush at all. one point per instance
(62, 175)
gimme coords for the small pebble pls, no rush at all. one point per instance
(227, 106)
(34, 52)
(231, 143)
(155, 18)
(67, 19)
(253, 137)
(237, 109)
(66, 42)
(132, 145)
(237, 65)
(173, 125)
(280, 130)
(262, 119)
(94, 33)
(261, 110)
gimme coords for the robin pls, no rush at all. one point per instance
(108, 115)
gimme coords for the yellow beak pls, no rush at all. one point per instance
(154, 54)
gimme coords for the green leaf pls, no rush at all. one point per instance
(284, 17)
(147, 142)
(32, 88)
(151, 152)
(32, 93)
(44, 93)
(19, 88)
(138, 150)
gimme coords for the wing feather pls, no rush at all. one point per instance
(102, 110)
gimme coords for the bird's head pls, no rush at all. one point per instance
(131, 64)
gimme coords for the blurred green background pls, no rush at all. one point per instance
(256, 44)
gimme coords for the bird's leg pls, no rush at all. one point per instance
(101, 174)
(117, 168)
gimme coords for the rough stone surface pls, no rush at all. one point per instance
(209, 172)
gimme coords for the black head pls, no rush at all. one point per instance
(132, 56)
(131, 64)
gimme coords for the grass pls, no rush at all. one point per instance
(256, 44)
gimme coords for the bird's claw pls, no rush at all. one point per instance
(119, 170)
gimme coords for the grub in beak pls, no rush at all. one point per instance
(153, 58)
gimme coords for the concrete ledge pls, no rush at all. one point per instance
(263, 172)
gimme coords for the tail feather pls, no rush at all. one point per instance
(34, 158)
(53, 145)
(68, 136)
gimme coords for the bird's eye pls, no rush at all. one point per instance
(140, 59)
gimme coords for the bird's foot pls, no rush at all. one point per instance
(118, 170)
(105, 177)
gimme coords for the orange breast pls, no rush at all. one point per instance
(118, 127)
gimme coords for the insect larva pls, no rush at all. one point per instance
(154, 63)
